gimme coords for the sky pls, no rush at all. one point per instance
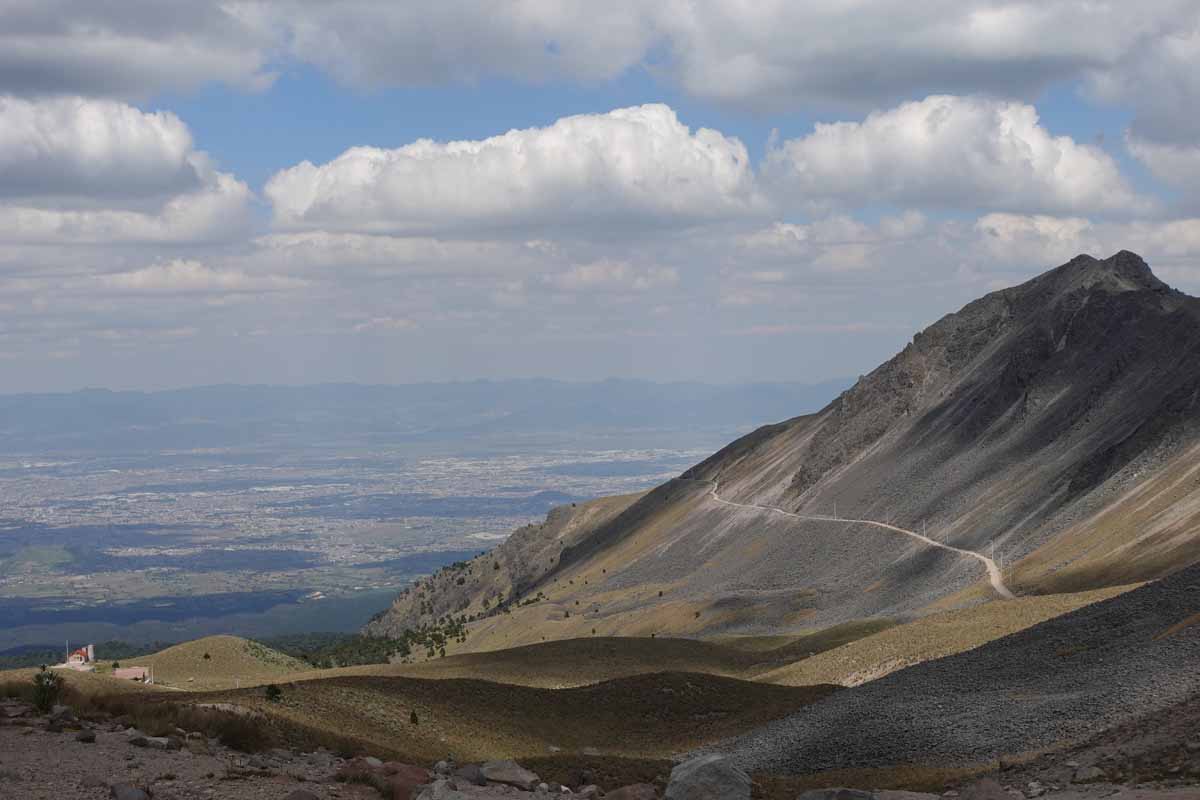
(299, 191)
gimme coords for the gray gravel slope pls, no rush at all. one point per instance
(1062, 680)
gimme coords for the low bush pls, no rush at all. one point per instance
(47, 689)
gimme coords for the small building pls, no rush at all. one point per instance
(133, 674)
(81, 660)
(84, 655)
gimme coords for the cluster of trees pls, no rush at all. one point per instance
(329, 650)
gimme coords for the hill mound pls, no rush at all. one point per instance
(1042, 431)
(218, 662)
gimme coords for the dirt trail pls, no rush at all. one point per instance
(993, 572)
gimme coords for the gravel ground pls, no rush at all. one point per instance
(1061, 681)
(36, 764)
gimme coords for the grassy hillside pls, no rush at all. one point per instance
(588, 660)
(935, 636)
(218, 662)
(641, 716)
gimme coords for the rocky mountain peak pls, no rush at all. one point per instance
(1122, 272)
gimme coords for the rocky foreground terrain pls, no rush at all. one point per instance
(61, 757)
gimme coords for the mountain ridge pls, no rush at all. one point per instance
(1046, 424)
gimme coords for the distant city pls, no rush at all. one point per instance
(266, 511)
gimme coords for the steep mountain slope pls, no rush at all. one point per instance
(1051, 424)
(497, 578)
(1050, 686)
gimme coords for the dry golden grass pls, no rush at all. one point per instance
(907, 778)
(1147, 532)
(568, 662)
(84, 683)
(643, 716)
(934, 636)
(232, 661)
(564, 663)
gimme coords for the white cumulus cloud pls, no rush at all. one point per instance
(75, 146)
(134, 48)
(367, 43)
(951, 152)
(218, 210)
(80, 170)
(1175, 164)
(629, 167)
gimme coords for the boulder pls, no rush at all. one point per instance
(404, 780)
(589, 792)
(86, 736)
(580, 777)
(709, 777)
(359, 770)
(301, 794)
(139, 741)
(470, 773)
(123, 791)
(986, 789)
(355, 768)
(636, 791)
(510, 773)
(1088, 775)
(837, 793)
(372, 762)
(443, 790)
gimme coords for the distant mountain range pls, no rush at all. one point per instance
(1050, 430)
(216, 416)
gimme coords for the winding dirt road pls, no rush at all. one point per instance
(993, 572)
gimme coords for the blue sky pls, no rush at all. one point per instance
(693, 189)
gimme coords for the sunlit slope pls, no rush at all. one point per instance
(931, 637)
(218, 662)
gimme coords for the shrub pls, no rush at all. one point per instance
(412, 717)
(241, 733)
(207, 656)
(47, 688)
(274, 693)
